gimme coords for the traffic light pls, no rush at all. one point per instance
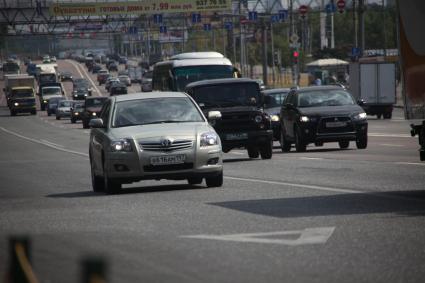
(295, 55)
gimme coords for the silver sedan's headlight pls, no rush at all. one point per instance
(304, 119)
(209, 139)
(275, 118)
(121, 145)
(360, 116)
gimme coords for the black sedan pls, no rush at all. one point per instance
(275, 98)
(117, 88)
(321, 114)
(80, 93)
(66, 76)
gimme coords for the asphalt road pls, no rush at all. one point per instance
(326, 215)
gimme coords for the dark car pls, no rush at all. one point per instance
(77, 109)
(275, 98)
(96, 68)
(117, 88)
(243, 121)
(52, 104)
(102, 75)
(92, 107)
(80, 93)
(321, 114)
(81, 83)
(122, 60)
(112, 67)
(146, 82)
(32, 69)
(66, 76)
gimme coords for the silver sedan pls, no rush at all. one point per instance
(161, 135)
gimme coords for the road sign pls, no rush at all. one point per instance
(274, 18)
(341, 5)
(157, 18)
(355, 52)
(132, 30)
(252, 15)
(163, 29)
(196, 18)
(294, 38)
(228, 25)
(283, 15)
(303, 10)
(330, 8)
(295, 45)
(207, 27)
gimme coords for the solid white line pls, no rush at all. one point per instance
(52, 143)
(389, 135)
(410, 163)
(320, 188)
(311, 158)
(59, 147)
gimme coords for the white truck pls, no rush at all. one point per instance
(20, 94)
(374, 85)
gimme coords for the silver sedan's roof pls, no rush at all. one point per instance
(149, 95)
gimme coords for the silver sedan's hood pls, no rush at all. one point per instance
(187, 130)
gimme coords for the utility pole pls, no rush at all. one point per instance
(361, 26)
(264, 50)
(332, 27)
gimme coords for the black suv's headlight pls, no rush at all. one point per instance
(360, 116)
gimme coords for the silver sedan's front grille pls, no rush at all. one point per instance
(161, 146)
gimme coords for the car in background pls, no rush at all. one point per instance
(162, 135)
(112, 67)
(52, 59)
(102, 75)
(96, 68)
(125, 80)
(109, 81)
(117, 88)
(146, 82)
(123, 73)
(92, 107)
(52, 104)
(46, 59)
(77, 109)
(32, 69)
(65, 76)
(63, 109)
(80, 93)
(122, 60)
(273, 102)
(81, 83)
(321, 114)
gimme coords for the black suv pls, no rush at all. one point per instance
(92, 107)
(321, 114)
(243, 121)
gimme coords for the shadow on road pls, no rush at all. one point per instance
(231, 160)
(404, 203)
(315, 149)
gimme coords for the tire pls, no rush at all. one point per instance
(85, 125)
(96, 181)
(33, 112)
(344, 144)
(300, 145)
(284, 144)
(73, 121)
(58, 117)
(194, 180)
(12, 113)
(378, 116)
(48, 113)
(110, 186)
(361, 141)
(253, 152)
(266, 150)
(216, 181)
(388, 115)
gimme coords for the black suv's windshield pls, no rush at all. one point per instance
(155, 111)
(227, 95)
(185, 75)
(325, 98)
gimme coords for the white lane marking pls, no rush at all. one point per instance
(410, 163)
(52, 143)
(76, 67)
(311, 158)
(307, 236)
(389, 135)
(60, 148)
(88, 76)
(319, 188)
(237, 153)
(391, 145)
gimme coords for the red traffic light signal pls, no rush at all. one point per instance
(296, 54)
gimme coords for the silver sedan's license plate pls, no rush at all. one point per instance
(237, 136)
(335, 124)
(168, 159)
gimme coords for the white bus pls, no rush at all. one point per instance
(184, 68)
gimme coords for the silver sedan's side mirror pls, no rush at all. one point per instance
(96, 123)
(214, 115)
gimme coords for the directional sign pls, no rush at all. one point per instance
(157, 18)
(132, 30)
(196, 18)
(274, 18)
(307, 236)
(355, 51)
(303, 10)
(207, 27)
(163, 29)
(283, 15)
(330, 8)
(252, 15)
(228, 25)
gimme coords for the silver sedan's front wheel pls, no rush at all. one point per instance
(111, 186)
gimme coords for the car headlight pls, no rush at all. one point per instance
(85, 94)
(76, 113)
(16, 104)
(258, 119)
(275, 118)
(93, 114)
(45, 101)
(209, 139)
(121, 145)
(360, 116)
(304, 119)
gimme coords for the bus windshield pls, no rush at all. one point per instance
(188, 74)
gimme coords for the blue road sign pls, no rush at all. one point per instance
(283, 15)
(207, 27)
(228, 25)
(132, 30)
(355, 51)
(196, 18)
(274, 18)
(252, 15)
(157, 18)
(330, 8)
(163, 29)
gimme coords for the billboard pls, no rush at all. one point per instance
(138, 7)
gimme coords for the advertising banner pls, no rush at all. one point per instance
(138, 7)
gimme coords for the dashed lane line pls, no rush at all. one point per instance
(386, 135)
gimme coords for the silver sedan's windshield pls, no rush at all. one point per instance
(155, 111)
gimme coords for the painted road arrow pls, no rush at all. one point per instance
(307, 236)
